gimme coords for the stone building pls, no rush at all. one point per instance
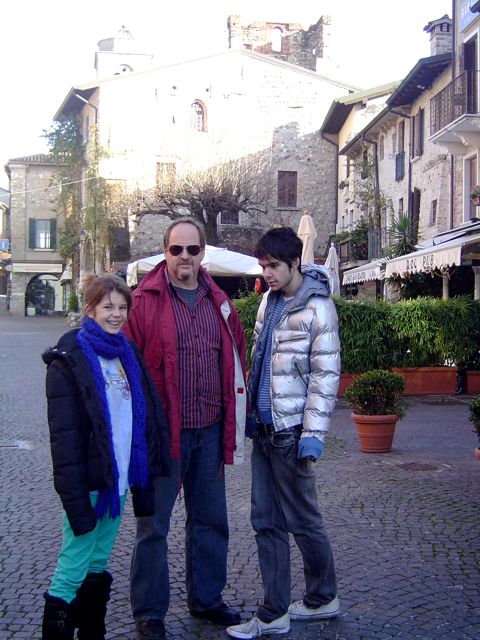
(238, 106)
(37, 268)
(4, 241)
(393, 159)
(454, 131)
(257, 107)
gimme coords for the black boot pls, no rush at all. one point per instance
(58, 619)
(93, 596)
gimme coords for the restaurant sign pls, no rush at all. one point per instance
(424, 261)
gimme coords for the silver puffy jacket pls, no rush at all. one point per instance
(305, 365)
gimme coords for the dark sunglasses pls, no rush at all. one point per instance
(176, 249)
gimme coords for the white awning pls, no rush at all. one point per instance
(370, 271)
(217, 261)
(67, 274)
(437, 256)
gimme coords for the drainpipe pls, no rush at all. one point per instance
(322, 135)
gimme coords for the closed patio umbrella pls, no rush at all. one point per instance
(307, 234)
(333, 264)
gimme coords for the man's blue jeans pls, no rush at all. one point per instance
(206, 540)
(284, 500)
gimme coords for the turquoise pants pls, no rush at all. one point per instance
(84, 554)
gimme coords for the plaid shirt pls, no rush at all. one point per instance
(199, 362)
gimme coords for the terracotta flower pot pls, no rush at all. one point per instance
(375, 433)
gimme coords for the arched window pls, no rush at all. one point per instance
(276, 39)
(198, 116)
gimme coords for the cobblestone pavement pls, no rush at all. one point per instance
(404, 526)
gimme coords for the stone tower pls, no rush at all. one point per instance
(120, 54)
(286, 41)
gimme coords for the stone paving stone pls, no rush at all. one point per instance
(404, 526)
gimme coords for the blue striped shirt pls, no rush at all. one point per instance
(264, 406)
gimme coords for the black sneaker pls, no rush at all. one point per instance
(152, 629)
(221, 615)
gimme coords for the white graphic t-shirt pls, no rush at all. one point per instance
(119, 400)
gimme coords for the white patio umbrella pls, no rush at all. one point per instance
(333, 263)
(217, 261)
(307, 234)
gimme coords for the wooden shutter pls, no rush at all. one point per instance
(31, 233)
(53, 233)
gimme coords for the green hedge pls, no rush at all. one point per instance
(410, 333)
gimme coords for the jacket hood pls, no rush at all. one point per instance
(319, 279)
(64, 346)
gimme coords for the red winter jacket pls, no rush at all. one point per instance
(151, 326)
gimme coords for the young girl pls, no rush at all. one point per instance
(107, 433)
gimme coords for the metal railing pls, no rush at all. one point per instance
(457, 99)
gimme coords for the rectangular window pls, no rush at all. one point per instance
(287, 189)
(433, 212)
(400, 166)
(42, 234)
(364, 169)
(400, 207)
(418, 126)
(229, 217)
(401, 136)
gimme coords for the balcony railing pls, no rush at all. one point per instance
(457, 99)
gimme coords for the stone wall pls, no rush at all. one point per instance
(298, 46)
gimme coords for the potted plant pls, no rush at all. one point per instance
(376, 400)
(475, 195)
(474, 406)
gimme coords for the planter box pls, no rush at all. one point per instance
(471, 383)
(345, 381)
(426, 381)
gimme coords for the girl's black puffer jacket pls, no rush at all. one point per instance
(78, 435)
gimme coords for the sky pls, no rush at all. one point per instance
(47, 47)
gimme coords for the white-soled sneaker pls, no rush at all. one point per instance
(255, 628)
(298, 611)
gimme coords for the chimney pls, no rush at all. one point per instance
(441, 35)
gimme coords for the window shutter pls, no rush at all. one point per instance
(31, 233)
(421, 133)
(53, 233)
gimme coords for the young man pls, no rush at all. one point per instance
(293, 385)
(194, 350)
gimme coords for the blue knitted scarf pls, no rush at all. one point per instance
(94, 341)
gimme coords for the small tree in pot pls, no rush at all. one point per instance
(376, 400)
(474, 406)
